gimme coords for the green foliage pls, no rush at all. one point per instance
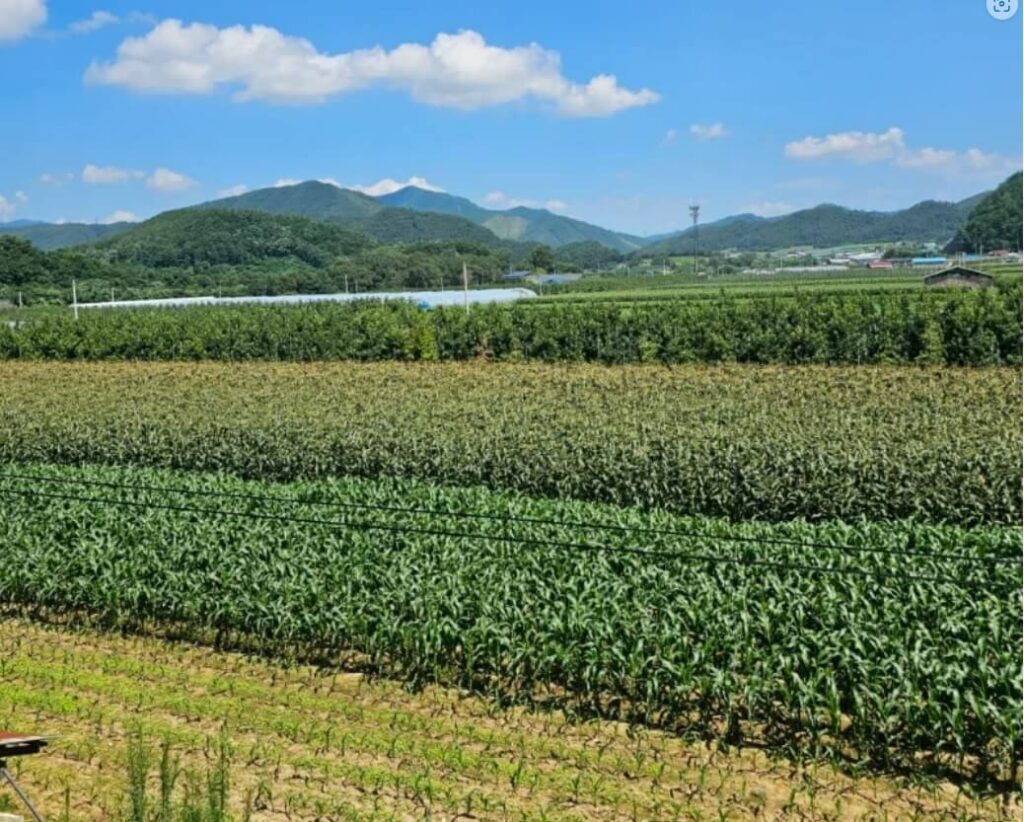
(198, 239)
(182, 795)
(763, 443)
(976, 328)
(995, 222)
(918, 675)
(588, 256)
(542, 258)
(399, 225)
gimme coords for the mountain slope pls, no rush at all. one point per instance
(50, 236)
(402, 225)
(357, 212)
(438, 202)
(313, 199)
(995, 221)
(824, 226)
(529, 225)
(197, 238)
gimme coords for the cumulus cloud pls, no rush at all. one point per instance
(670, 137)
(713, 131)
(19, 17)
(891, 146)
(21, 196)
(120, 216)
(389, 186)
(499, 199)
(7, 208)
(857, 146)
(233, 191)
(163, 179)
(260, 63)
(768, 208)
(95, 21)
(106, 175)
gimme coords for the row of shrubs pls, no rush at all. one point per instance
(963, 328)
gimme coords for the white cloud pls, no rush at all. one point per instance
(973, 162)
(768, 208)
(7, 208)
(21, 196)
(714, 131)
(455, 70)
(105, 175)
(120, 216)
(233, 191)
(19, 17)
(286, 181)
(500, 200)
(890, 146)
(857, 146)
(56, 179)
(163, 179)
(670, 137)
(95, 21)
(389, 186)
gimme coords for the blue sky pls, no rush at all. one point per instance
(135, 107)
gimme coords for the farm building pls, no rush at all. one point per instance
(959, 277)
(929, 261)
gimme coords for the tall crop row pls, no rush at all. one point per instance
(740, 442)
(909, 660)
(925, 328)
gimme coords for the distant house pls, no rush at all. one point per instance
(516, 276)
(959, 277)
(880, 264)
(929, 261)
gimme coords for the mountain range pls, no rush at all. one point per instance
(412, 215)
(824, 226)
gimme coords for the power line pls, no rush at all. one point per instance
(513, 518)
(586, 547)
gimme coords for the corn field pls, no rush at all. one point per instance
(901, 650)
(766, 443)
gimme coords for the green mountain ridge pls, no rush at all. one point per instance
(824, 226)
(520, 224)
(413, 216)
(995, 220)
(197, 238)
(51, 236)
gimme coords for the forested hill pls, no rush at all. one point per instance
(48, 236)
(357, 212)
(195, 238)
(995, 222)
(825, 226)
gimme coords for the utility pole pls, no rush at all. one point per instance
(695, 214)
(465, 286)
(74, 297)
